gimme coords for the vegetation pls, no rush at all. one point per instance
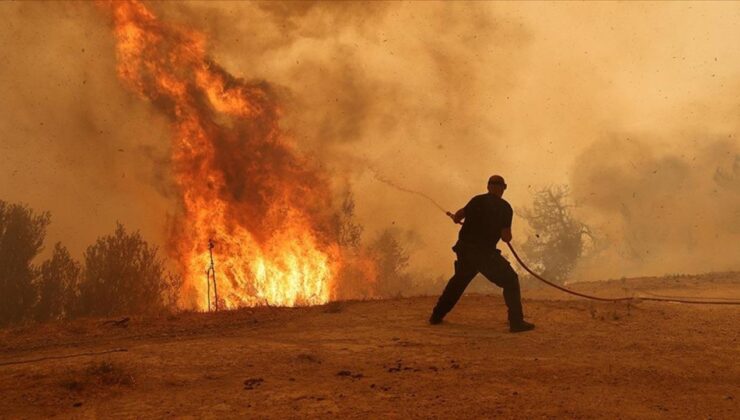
(349, 232)
(557, 239)
(122, 273)
(385, 259)
(58, 280)
(392, 261)
(22, 234)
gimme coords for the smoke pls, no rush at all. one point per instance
(661, 211)
(73, 141)
(414, 91)
(436, 96)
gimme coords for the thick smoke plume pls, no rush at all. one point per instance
(436, 97)
(656, 210)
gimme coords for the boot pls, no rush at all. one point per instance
(520, 326)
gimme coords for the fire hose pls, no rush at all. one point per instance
(699, 301)
(619, 299)
(690, 300)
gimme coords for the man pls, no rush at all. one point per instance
(487, 218)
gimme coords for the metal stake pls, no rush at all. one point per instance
(211, 274)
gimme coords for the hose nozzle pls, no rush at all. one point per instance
(452, 216)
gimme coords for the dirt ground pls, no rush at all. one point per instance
(381, 359)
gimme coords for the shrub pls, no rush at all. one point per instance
(123, 274)
(392, 260)
(22, 234)
(58, 280)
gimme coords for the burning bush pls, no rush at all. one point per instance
(22, 233)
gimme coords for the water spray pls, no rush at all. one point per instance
(392, 184)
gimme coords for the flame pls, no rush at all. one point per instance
(241, 182)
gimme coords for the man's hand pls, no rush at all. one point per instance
(458, 216)
(506, 235)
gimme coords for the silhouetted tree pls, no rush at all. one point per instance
(22, 234)
(557, 239)
(391, 260)
(171, 291)
(354, 276)
(58, 279)
(350, 232)
(123, 274)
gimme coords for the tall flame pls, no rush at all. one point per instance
(242, 183)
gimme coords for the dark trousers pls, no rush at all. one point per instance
(494, 267)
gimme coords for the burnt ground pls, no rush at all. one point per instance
(380, 358)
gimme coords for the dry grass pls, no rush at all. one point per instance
(110, 373)
(613, 312)
(309, 358)
(380, 359)
(99, 374)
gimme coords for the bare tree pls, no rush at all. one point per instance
(357, 268)
(392, 261)
(171, 291)
(350, 232)
(557, 239)
(22, 235)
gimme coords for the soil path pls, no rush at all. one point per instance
(380, 358)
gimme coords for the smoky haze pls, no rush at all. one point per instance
(74, 142)
(640, 119)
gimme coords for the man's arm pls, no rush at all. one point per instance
(506, 234)
(459, 215)
(506, 230)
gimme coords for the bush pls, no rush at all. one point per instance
(58, 280)
(123, 274)
(557, 239)
(392, 260)
(22, 234)
(348, 231)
